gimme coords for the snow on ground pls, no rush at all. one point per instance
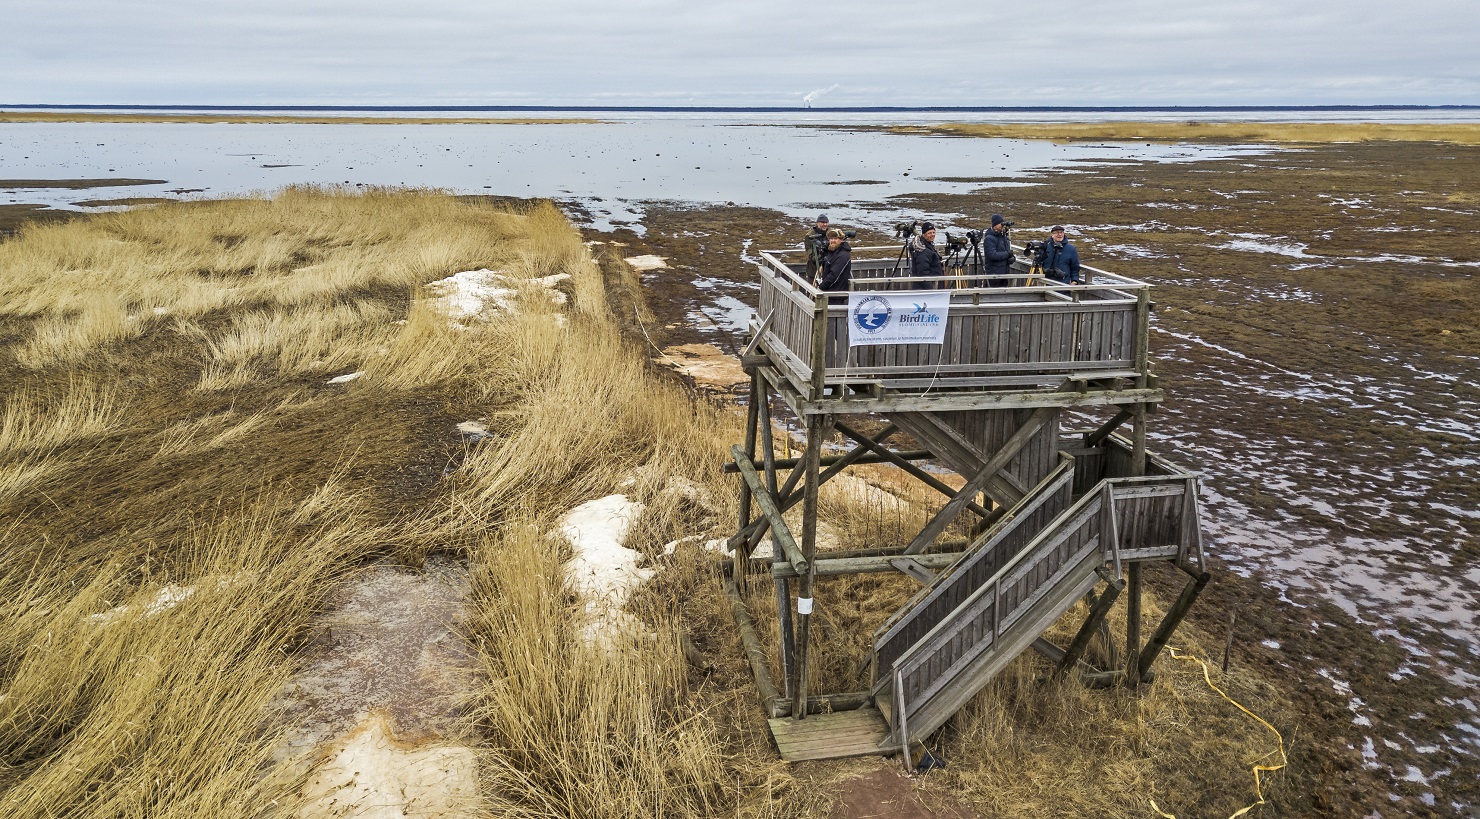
(603, 572)
(346, 378)
(471, 293)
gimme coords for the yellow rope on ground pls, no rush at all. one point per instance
(1257, 768)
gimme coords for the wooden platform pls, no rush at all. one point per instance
(831, 736)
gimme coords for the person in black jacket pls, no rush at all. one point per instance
(837, 262)
(816, 245)
(925, 259)
(997, 251)
(1058, 258)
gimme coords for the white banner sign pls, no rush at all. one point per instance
(914, 317)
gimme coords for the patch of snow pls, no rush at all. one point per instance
(471, 293)
(473, 431)
(162, 600)
(603, 572)
(346, 378)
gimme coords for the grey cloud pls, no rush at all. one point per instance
(755, 53)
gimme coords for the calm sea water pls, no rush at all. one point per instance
(612, 168)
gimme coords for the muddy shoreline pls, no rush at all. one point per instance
(1316, 329)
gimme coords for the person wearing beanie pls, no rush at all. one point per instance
(925, 259)
(837, 262)
(816, 245)
(997, 253)
(1058, 258)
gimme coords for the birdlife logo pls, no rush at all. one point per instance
(897, 318)
(872, 314)
(920, 315)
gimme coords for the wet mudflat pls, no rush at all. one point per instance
(1316, 328)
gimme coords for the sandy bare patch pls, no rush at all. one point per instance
(642, 264)
(709, 366)
(370, 775)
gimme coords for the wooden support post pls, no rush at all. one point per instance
(783, 586)
(1000, 459)
(1143, 336)
(768, 453)
(1097, 612)
(752, 418)
(1133, 624)
(787, 632)
(750, 639)
(1138, 442)
(816, 426)
(914, 471)
(1169, 623)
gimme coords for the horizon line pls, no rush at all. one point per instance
(748, 108)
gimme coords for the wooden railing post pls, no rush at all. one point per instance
(819, 346)
(1143, 334)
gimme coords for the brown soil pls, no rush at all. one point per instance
(882, 791)
(1255, 339)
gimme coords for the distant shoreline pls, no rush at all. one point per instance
(1189, 130)
(1163, 109)
(1194, 131)
(21, 117)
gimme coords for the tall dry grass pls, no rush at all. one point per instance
(168, 546)
(124, 698)
(217, 460)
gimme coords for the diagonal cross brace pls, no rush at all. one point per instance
(1003, 456)
(929, 480)
(757, 529)
(771, 514)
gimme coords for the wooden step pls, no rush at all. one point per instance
(832, 736)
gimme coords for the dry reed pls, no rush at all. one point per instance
(262, 489)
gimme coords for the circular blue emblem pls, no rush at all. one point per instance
(872, 314)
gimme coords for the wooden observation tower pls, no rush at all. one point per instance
(1052, 515)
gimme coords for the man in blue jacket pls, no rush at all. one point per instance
(997, 251)
(1058, 258)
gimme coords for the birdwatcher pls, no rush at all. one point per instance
(837, 262)
(997, 252)
(925, 259)
(816, 245)
(1058, 258)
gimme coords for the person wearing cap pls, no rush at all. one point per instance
(816, 245)
(925, 259)
(1058, 258)
(997, 253)
(837, 262)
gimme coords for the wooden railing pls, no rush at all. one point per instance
(1033, 333)
(934, 655)
(992, 551)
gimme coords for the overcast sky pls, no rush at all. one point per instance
(757, 52)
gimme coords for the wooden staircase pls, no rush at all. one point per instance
(999, 597)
